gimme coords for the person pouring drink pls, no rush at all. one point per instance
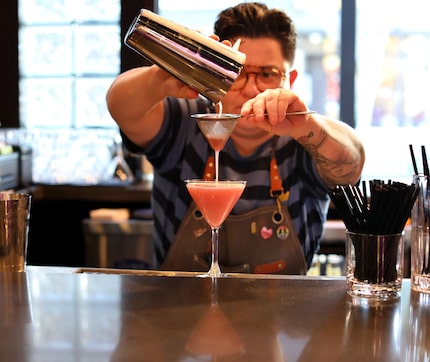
(305, 156)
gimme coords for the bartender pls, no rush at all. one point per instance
(313, 153)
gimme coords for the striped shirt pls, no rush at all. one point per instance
(180, 151)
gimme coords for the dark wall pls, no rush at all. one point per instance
(130, 9)
(9, 43)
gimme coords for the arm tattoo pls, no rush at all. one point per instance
(340, 169)
(305, 141)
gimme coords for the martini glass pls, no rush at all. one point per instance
(215, 200)
(217, 128)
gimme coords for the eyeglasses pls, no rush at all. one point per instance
(265, 78)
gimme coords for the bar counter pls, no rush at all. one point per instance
(123, 193)
(62, 314)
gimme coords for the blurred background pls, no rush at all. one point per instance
(362, 62)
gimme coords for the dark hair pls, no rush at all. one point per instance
(256, 20)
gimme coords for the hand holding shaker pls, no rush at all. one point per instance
(202, 63)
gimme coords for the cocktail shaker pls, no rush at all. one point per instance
(204, 64)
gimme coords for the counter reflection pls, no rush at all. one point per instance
(418, 336)
(73, 318)
(98, 317)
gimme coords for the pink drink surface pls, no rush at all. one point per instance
(216, 143)
(215, 199)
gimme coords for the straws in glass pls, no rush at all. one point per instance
(384, 212)
(376, 223)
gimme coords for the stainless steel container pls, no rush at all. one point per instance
(204, 64)
(15, 219)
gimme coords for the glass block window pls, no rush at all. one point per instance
(69, 54)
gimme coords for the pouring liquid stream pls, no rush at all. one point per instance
(217, 145)
(217, 128)
(217, 141)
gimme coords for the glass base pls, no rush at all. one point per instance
(209, 275)
(213, 272)
(381, 291)
(421, 282)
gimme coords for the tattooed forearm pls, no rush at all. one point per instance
(306, 142)
(335, 161)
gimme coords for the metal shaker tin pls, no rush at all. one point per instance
(204, 64)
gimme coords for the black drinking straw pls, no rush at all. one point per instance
(344, 206)
(385, 213)
(425, 163)
(414, 162)
(363, 186)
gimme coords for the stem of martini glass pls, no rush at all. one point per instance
(214, 270)
(216, 164)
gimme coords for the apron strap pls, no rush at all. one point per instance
(276, 188)
(209, 173)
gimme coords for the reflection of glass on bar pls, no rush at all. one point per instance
(214, 334)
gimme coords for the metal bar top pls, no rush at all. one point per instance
(119, 315)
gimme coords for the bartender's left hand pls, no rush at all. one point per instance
(269, 110)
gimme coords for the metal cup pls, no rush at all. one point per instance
(14, 216)
(204, 64)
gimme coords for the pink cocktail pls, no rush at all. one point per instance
(215, 200)
(217, 143)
